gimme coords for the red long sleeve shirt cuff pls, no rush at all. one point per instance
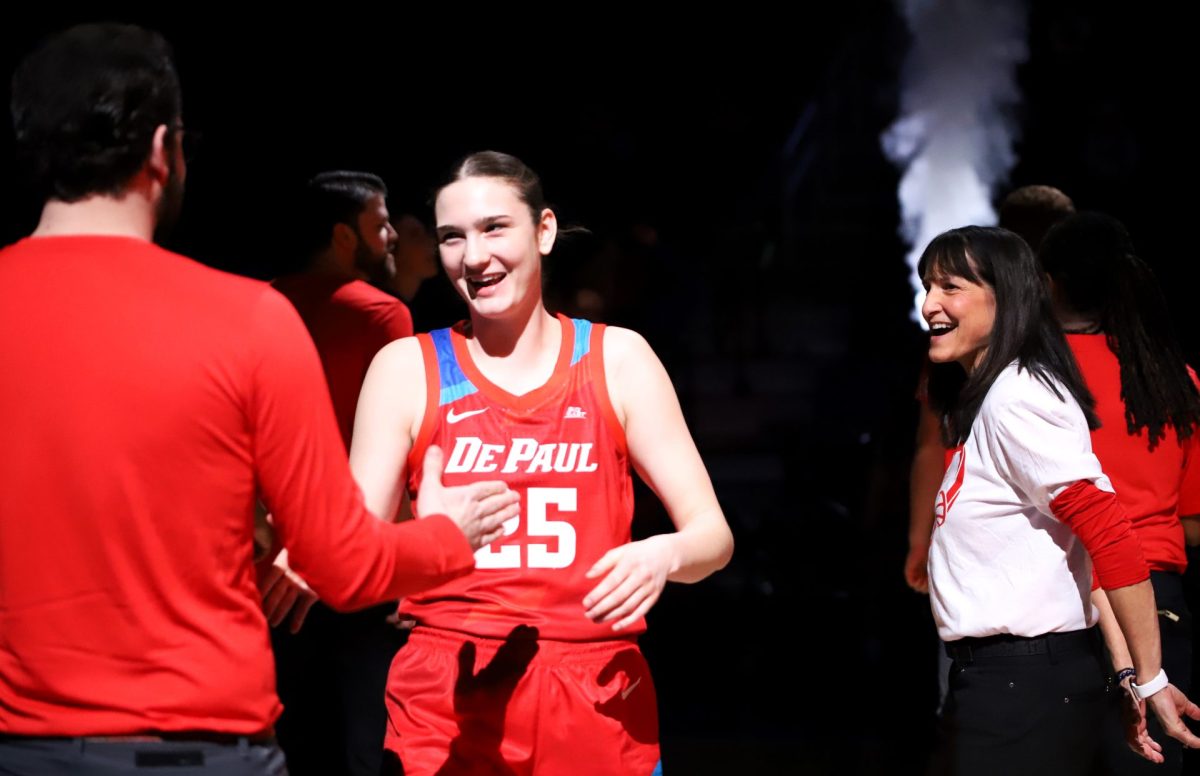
(413, 556)
(434, 551)
(1097, 518)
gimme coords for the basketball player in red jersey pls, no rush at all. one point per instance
(531, 664)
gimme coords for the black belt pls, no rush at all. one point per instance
(265, 738)
(970, 649)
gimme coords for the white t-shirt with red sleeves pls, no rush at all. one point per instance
(999, 561)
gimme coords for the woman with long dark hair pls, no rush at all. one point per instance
(1115, 318)
(1023, 505)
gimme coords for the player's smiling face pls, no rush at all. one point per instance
(960, 314)
(492, 246)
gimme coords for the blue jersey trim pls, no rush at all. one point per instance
(583, 339)
(454, 384)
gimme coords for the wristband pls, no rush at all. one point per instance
(1144, 691)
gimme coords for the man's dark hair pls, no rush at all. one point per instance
(85, 106)
(332, 198)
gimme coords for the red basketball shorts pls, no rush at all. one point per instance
(467, 705)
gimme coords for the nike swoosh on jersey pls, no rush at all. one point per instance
(453, 418)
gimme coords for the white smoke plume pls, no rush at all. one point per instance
(954, 137)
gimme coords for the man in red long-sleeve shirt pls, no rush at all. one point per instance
(146, 398)
(332, 673)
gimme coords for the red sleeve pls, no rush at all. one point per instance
(1100, 522)
(397, 320)
(390, 321)
(351, 558)
(1189, 478)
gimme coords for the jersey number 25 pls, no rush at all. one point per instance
(539, 526)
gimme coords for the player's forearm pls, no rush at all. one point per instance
(701, 547)
(372, 561)
(1134, 609)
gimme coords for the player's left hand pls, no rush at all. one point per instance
(634, 577)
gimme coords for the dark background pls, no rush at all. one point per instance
(743, 218)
